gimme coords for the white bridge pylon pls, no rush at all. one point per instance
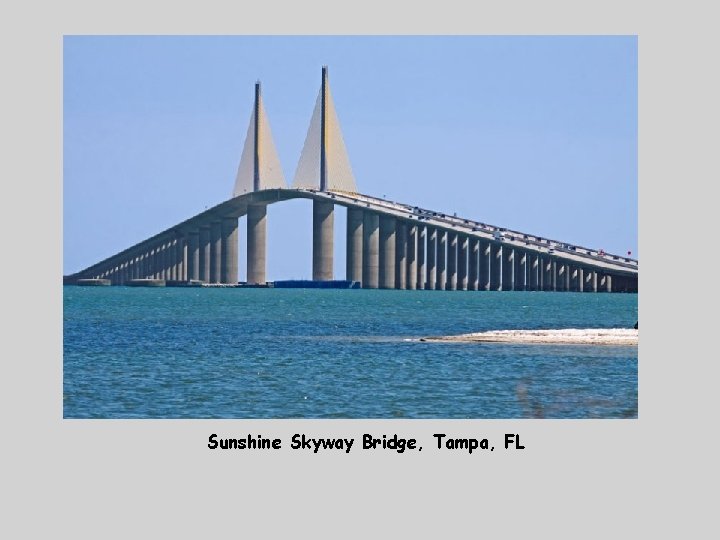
(324, 143)
(259, 164)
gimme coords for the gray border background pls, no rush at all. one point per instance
(583, 478)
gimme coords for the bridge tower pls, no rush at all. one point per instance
(259, 169)
(324, 166)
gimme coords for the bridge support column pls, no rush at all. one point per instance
(593, 280)
(580, 279)
(484, 266)
(150, 268)
(566, 270)
(441, 261)
(176, 254)
(431, 282)
(158, 262)
(256, 244)
(163, 260)
(229, 249)
(172, 266)
(559, 276)
(183, 262)
(521, 260)
(401, 231)
(608, 283)
(215, 251)
(204, 267)
(421, 263)
(146, 264)
(412, 257)
(508, 267)
(171, 260)
(496, 256)
(452, 261)
(474, 265)
(323, 222)
(533, 263)
(354, 245)
(371, 251)
(193, 265)
(387, 252)
(462, 258)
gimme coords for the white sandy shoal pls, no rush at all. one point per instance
(580, 336)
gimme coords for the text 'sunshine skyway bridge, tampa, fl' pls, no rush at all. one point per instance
(389, 245)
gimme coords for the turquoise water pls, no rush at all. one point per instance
(308, 353)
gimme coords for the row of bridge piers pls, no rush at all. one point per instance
(382, 251)
(392, 253)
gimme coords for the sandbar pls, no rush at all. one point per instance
(571, 336)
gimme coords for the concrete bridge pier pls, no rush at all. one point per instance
(161, 260)
(401, 255)
(193, 255)
(462, 279)
(533, 263)
(229, 251)
(474, 264)
(520, 270)
(256, 244)
(484, 266)
(172, 259)
(354, 245)
(440, 261)
(496, 256)
(323, 222)
(431, 282)
(559, 276)
(452, 261)
(167, 260)
(157, 262)
(150, 263)
(412, 257)
(215, 251)
(508, 268)
(387, 252)
(421, 254)
(371, 251)
(184, 258)
(205, 254)
(580, 279)
(548, 274)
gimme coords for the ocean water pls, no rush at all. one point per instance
(309, 353)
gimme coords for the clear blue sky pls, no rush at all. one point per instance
(538, 134)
